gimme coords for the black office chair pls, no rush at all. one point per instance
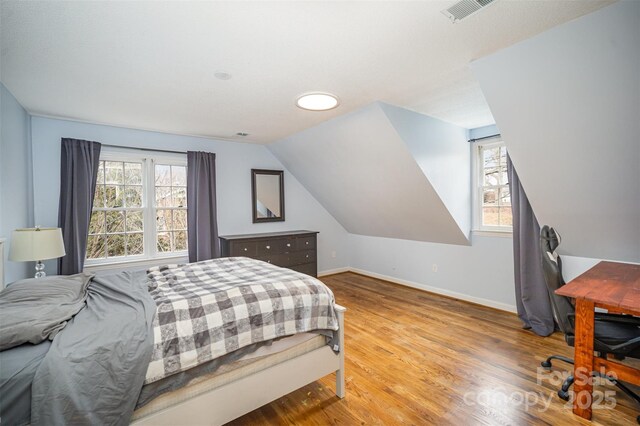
(617, 335)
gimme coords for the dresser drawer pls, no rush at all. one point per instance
(268, 259)
(306, 256)
(283, 260)
(306, 243)
(289, 245)
(241, 248)
(267, 247)
(307, 268)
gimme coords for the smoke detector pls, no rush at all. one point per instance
(465, 8)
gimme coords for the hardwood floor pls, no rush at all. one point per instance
(414, 357)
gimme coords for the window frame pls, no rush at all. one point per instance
(148, 208)
(478, 188)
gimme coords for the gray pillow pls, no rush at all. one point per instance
(36, 309)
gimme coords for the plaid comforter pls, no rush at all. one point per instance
(211, 308)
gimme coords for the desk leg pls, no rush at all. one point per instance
(583, 385)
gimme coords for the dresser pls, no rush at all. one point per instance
(292, 249)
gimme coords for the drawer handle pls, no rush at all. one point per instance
(246, 249)
(268, 247)
(268, 261)
(307, 256)
(288, 244)
(306, 242)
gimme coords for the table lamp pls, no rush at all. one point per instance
(29, 244)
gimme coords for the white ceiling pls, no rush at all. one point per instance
(151, 65)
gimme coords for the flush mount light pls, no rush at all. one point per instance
(317, 101)
(242, 134)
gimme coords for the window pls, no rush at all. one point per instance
(492, 197)
(139, 208)
(171, 207)
(116, 228)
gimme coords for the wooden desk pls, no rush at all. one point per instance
(610, 285)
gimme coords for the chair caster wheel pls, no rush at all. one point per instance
(564, 395)
(546, 364)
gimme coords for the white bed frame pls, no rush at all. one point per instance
(230, 401)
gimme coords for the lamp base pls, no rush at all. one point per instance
(40, 270)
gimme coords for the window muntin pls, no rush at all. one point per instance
(493, 198)
(139, 209)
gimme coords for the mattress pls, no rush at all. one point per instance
(264, 357)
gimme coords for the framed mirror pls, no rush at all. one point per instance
(267, 195)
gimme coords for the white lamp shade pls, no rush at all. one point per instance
(36, 244)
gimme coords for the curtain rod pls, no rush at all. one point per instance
(484, 137)
(145, 149)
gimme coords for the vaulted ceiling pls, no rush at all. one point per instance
(152, 65)
(386, 171)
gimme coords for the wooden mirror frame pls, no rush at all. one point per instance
(254, 210)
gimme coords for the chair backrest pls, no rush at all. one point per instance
(552, 267)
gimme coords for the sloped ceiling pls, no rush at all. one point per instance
(363, 172)
(442, 152)
(567, 103)
(152, 64)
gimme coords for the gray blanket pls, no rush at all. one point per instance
(94, 370)
(36, 309)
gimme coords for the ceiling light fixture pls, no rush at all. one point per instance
(242, 134)
(317, 101)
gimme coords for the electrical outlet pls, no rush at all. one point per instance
(434, 267)
(333, 254)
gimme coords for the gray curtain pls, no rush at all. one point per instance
(201, 202)
(78, 174)
(532, 298)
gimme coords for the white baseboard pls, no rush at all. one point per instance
(333, 271)
(478, 300)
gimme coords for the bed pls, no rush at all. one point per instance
(187, 385)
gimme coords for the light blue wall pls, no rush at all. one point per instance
(481, 272)
(15, 177)
(442, 152)
(234, 162)
(567, 102)
(483, 132)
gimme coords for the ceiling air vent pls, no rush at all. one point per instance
(465, 8)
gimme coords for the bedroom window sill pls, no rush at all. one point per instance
(135, 264)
